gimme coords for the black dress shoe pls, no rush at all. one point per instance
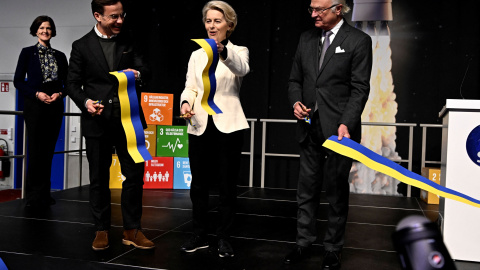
(225, 249)
(51, 201)
(194, 243)
(331, 260)
(297, 254)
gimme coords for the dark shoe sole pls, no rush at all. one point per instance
(193, 250)
(226, 256)
(296, 260)
(98, 249)
(337, 267)
(128, 243)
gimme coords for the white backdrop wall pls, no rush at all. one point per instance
(72, 18)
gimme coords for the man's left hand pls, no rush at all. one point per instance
(343, 132)
(134, 72)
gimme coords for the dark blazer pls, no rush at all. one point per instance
(89, 78)
(342, 85)
(29, 64)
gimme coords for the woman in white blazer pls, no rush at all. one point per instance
(215, 141)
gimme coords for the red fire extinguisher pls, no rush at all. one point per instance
(4, 163)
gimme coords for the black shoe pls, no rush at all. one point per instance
(36, 204)
(194, 243)
(299, 253)
(225, 249)
(51, 201)
(331, 260)
(40, 203)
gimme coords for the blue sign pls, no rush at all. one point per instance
(182, 177)
(473, 145)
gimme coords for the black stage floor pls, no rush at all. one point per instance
(61, 237)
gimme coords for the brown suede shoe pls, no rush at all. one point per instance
(101, 240)
(137, 239)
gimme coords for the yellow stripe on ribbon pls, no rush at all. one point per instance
(354, 150)
(130, 116)
(208, 76)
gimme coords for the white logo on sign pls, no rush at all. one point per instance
(187, 178)
(153, 178)
(156, 115)
(174, 146)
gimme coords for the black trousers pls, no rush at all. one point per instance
(318, 166)
(43, 122)
(99, 154)
(214, 158)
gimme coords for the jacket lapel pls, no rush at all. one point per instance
(337, 41)
(315, 47)
(37, 68)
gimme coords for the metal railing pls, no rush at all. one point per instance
(264, 154)
(24, 166)
(424, 144)
(250, 153)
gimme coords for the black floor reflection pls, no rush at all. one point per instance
(61, 237)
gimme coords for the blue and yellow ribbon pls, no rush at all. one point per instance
(130, 116)
(208, 76)
(351, 149)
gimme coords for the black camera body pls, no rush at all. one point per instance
(420, 245)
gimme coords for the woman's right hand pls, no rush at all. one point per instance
(186, 111)
(44, 98)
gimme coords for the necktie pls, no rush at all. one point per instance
(326, 44)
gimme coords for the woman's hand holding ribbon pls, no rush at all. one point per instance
(186, 112)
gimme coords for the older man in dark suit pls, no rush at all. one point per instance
(93, 56)
(328, 88)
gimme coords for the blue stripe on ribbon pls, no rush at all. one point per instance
(2, 265)
(211, 75)
(135, 116)
(357, 151)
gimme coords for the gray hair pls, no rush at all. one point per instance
(227, 11)
(345, 7)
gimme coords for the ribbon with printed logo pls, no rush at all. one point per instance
(130, 116)
(354, 150)
(208, 76)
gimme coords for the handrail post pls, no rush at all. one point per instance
(424, 146)
(80, 158)
(252, 142)
(424, 160)
(410, 158)
(24, 171)
(264, 136)
(66, 146)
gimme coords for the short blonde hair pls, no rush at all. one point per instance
(227, 11)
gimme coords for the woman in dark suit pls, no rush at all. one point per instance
(46, 72)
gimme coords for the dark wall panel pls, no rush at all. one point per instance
(435, 47)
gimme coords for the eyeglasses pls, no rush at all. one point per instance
(319, 11)
(115, 17)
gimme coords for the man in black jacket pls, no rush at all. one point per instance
(95, 92)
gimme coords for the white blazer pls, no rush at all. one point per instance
(229, 75)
